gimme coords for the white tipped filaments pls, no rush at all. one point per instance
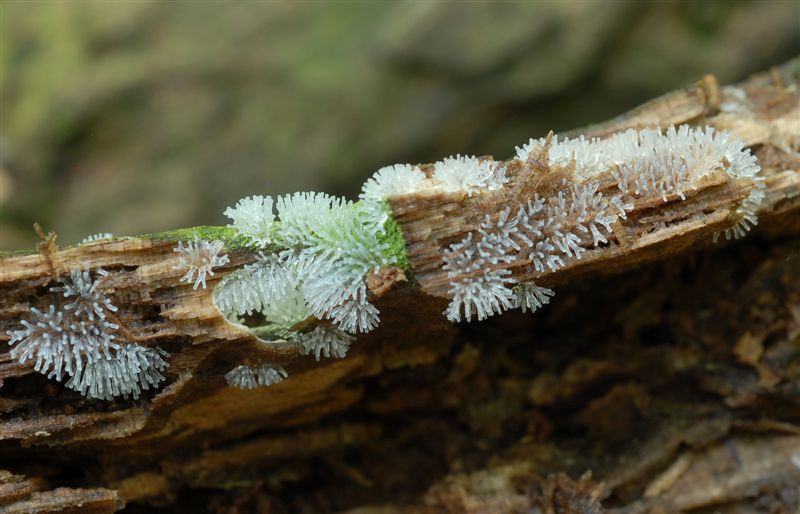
(82, 295)
(668, 165)
(679, 159)
(355, 316)
(57, 344)
(128, 372)
(199, 258)
(64, 340)
(101, 236)
(237, 294)
(253, 218)
(469, 174)
(646, 166)
(547, 232)
(481, 290)
(336, 252)
(530, 297)
(301, 213)
(248, 377)
(77, 339)
(387, 182)
(331, 245)
(324, 342)
(275, 289)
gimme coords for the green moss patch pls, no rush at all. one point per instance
(228, 235)
(15, 253)
(393, 238)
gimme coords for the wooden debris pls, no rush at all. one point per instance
(652, 380)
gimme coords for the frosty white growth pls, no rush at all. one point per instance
(646, 166)
(325, 341)
(199, 257)
(247, 377)
(130, 370)
(529, 296)
(469, 174)
(275, 290)
(330, 245)
(97, 237)
(319, 250)
(253, 218)
(389, 181)
(648, 163)
(75, 337)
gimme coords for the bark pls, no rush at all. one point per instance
(662, 378)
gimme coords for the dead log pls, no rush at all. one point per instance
(652, 379)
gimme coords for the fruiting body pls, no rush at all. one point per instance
(74, 337)
(563, 199)
(325, 341)
(247, 377)
(97, 237)
(253, 217)
(130, 370)
(199, 258)
(469, 174)
(545, 232)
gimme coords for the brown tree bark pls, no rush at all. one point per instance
(664, 377)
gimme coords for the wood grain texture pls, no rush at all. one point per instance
(425, 416)
(763, 112)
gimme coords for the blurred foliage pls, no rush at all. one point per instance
(135, 116)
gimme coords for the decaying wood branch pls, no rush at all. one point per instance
(763, 114)
(696, 360)
(21, 495)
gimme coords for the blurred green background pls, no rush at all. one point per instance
(135, 116)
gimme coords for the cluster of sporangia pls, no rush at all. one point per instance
(76, 337)
(318, 251)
